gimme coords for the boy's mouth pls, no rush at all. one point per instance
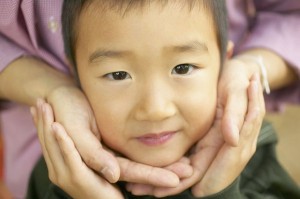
(154, 139)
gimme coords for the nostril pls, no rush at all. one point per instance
(155, 113)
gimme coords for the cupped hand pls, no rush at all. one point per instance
(72, 110)
(232, 96)
(65, 167)
(230, 161)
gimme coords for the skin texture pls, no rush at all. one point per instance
(152, 98)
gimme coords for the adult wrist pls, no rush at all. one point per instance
(257, 65)
(28, 78)
(64, 89)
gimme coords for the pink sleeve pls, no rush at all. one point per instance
(279, 33)
(279, 30)
(9, 51)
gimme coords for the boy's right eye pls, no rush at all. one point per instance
(120, 75)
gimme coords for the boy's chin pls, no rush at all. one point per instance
(158, 161)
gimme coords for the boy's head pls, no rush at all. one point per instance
(149, 70)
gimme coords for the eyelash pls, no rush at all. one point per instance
(186, 71)
(122, 75)
(114, 75)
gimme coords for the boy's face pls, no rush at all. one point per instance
(151, 78)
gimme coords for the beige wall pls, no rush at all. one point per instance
(287, 125)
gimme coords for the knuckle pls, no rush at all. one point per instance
(90, 160)
(149, 174)
(60, 181)
(76, 179)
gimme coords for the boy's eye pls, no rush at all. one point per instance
(120, 75)
(183, 69)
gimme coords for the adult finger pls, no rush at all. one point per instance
(181, 168)
(51, 145)
(230, 157)
(95, 156)
(41, 132)
(72, 110)
(183, 185)
(69, 153)
(145, 174)
(234, 113)
(256, 111)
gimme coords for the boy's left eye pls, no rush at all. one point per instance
(183, 69)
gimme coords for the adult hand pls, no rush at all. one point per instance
(230, 161)
(213, 156)
(72, 110)
(232, 96)
(65, 166)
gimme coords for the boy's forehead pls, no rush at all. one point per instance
(113, 33)
(92, 17)
(124, 7)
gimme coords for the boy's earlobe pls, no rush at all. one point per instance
(229, 52)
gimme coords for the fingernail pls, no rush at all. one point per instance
(108, 174)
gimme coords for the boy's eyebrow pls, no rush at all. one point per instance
(105, 53)
(190, 46)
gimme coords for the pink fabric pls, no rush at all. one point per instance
(30, 27)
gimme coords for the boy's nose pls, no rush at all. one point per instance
(155, 104)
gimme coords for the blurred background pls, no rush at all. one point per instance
(287, 125)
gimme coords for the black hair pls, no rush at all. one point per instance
(72, 9)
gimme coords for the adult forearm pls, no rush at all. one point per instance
(29, 78)
(280, 73)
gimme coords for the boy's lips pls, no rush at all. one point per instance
(154, 139)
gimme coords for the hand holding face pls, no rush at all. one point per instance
(230, 161)
(65, 166)
(213, 157)
(72, 110)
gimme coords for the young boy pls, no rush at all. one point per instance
(150, 71)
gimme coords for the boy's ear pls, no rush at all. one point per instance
(229, 51)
